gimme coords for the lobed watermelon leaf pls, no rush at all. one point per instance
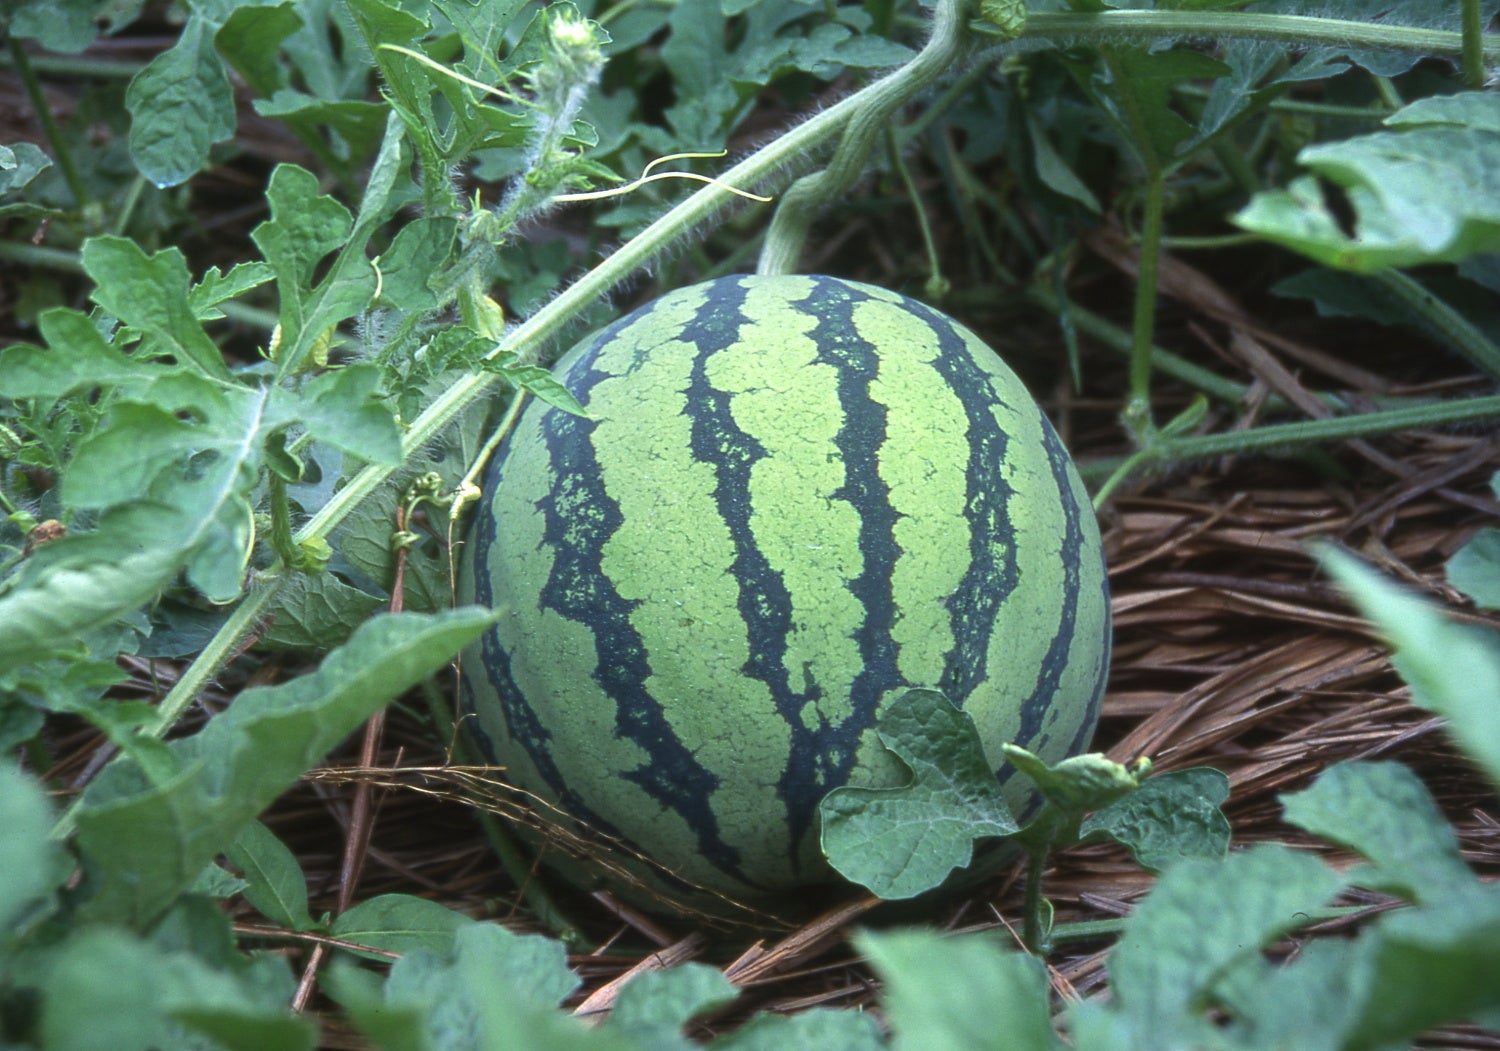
(1383, 811)
(1390, 180)
(34, 864)
(1170, 817)
(143, 994)
(825, 1028)
(487, 988)
(899, 842)
(1475, 569)
(1428, 649)
(145, 838)
(1182, 941)
(653, 1006)
(933, 982)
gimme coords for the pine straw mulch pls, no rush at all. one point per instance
(1231, 651)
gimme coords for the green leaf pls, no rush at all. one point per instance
(1429, 966)
(354, 121)
(180, 105)
(1383, 811)
(1135, 90)
(216, 882)
(139, 441)
(1426, 192)
(1453, 669)
(304, 228)
(111, 991)
(962, 993)
(822, 1028)
(150, 294)
(34, 863)
(1405, 973)
(1468, 109)
(1170, 817)
(102, 994)
(1447, 310)
(391, 164)
(250, 38)
(390, 1025)
(899, 842)
(533, 968)
(494, 988)
(1050, 167)
(64, 26)
(82, 582)
(401, 923)
(481, 27)
(341, 407)
(146, 842)
(1474, 569)
(19, 164)
(654, 1006)
(274, 881)
(1202, 919)
(215, 287)
(364, 539)
(317, 611)
(544, 385)
(1079, 783)
(418, 252)
(190, 460)
(77, 358)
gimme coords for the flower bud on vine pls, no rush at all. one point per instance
(560, 85)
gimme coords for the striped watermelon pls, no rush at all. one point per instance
(793, 499)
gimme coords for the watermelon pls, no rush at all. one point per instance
(793, 498)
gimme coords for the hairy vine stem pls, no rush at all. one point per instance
(1296, 30)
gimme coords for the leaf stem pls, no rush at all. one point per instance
(1034, 934)
(1163, 361)
(1473, 43)
(1143, 323)
(63, 154)
(1115, 26)
(935, 279)
(1308, 432)
(1452, 326)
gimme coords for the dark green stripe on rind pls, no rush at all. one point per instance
(823, 756)
(990, 579)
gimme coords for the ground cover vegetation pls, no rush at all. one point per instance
(277, 275)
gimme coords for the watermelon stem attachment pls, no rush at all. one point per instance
(946, 48)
